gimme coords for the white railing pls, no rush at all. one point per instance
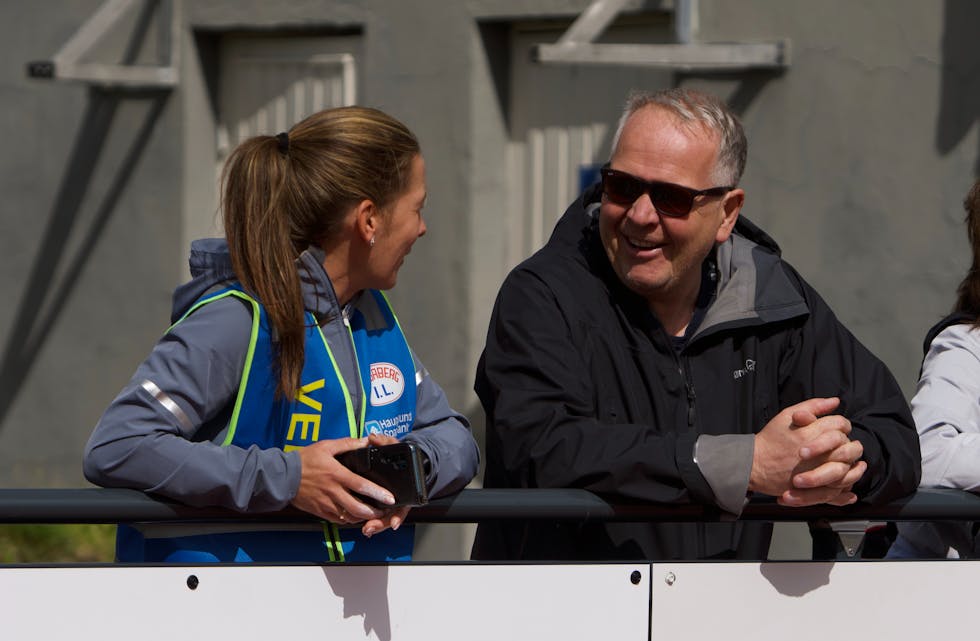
(494, 601)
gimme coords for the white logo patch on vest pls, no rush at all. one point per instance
(387, 384)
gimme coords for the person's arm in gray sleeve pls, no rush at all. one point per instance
(155, 436)
(444, 437)
(725, 460)
(946, 407)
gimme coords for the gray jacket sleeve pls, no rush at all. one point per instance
(444, 435)
(947, 411)
(725, 460)
(156, 435)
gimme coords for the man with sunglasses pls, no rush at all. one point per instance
(659, 349)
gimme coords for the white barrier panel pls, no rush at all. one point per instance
(389, 603)
(801, 601)
(794, 601)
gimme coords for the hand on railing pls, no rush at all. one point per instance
(803, 456)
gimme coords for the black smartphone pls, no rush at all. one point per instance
(396, 467)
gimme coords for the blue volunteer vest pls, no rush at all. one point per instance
(322, 409)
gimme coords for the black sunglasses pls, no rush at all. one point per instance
(669, 199)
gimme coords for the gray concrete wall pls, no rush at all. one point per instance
(860, 153)
(91, 186)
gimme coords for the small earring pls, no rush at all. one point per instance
(372, 241)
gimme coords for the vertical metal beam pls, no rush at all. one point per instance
(686, 23)
(168, 46)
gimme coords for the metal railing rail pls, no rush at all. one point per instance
(95, 505)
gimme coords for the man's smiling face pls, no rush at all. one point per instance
(659, 257)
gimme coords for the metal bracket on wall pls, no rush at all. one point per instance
(67, 64)
(576, 45)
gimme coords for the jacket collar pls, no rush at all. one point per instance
(753, 288)
(318, 293)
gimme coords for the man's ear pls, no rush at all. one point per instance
(367, 220)
(731, 206)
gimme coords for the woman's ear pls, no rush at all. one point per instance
(367, 221)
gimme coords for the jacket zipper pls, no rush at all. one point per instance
(683, 368)
(685, 372)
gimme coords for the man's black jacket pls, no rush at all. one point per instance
(582, 388)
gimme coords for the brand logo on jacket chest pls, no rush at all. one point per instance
(387, 384)
(748, 368)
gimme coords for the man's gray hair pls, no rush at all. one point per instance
(694, 107)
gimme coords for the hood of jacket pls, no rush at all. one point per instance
(210, 266)
(754, 288)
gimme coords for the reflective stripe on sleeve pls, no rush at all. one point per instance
(168, 403)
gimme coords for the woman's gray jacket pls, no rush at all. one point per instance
(162, 433)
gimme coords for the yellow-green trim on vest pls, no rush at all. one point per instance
(233, 423)
(331, 536)
(359, 430)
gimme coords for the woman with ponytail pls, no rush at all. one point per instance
(946, 408)
(285, 353)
